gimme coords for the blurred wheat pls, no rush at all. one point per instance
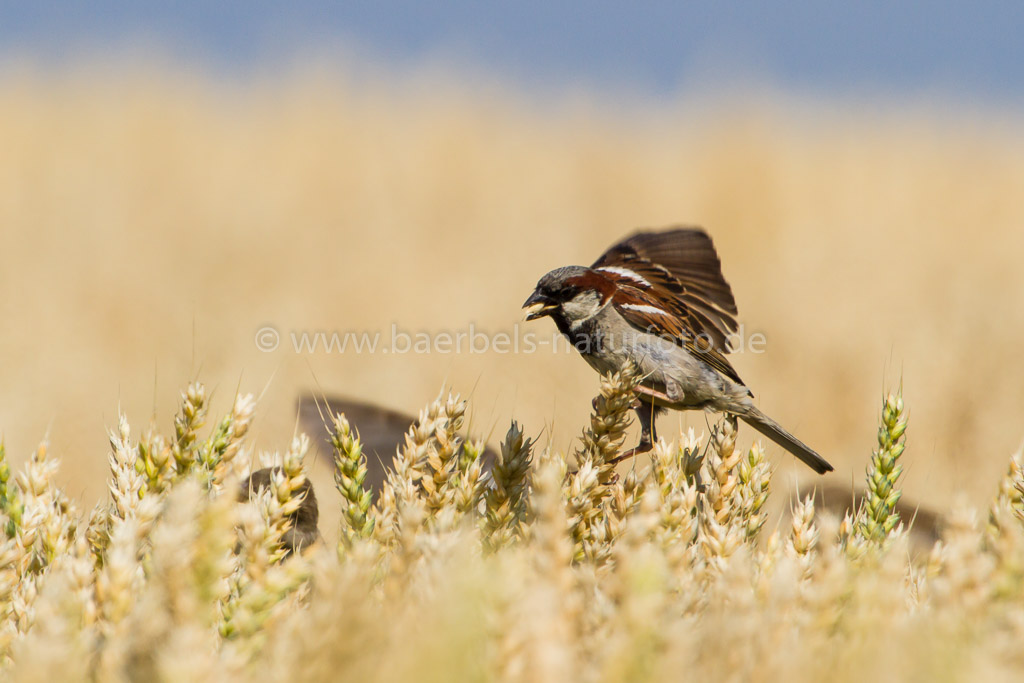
(153, 220)
(528, 572)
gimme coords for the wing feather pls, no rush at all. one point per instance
(680, 270)
(686, 252)
(644, 312)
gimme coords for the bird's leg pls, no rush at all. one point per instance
(644, 413)
(648, 434)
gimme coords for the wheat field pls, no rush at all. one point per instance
(155, 222)
(199, 568)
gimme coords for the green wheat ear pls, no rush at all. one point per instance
(878, 516)
(350, 480)
(8, 497)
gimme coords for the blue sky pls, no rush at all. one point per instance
(969, 50)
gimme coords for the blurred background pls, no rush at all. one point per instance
(176, 178)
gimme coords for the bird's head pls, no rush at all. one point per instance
(570, 293)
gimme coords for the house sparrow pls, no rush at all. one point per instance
(659, 300)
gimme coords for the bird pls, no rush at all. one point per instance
(658, 300)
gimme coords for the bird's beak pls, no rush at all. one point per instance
(538, 299)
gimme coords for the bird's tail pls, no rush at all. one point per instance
(774, 431)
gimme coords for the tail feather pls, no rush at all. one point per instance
(774, 431)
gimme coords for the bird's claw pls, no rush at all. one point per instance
(643, 447)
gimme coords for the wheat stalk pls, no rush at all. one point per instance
(506, 500)
(878, 516)
(350, 480)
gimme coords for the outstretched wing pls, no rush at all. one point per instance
(680, 268)
(671, 283)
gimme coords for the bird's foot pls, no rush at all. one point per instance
(644, 446)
